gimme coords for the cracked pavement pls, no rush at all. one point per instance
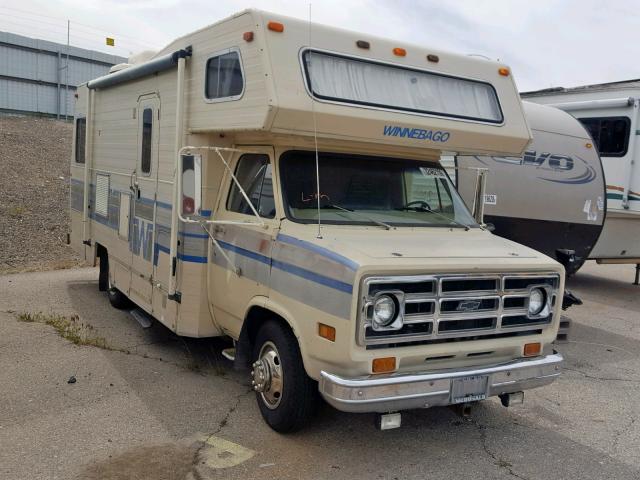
(154, 412)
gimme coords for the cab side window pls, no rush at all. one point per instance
(254, 173)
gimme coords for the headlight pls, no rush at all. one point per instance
(537, 301)
(384, 311)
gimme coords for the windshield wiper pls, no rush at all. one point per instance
(425, 209)
(358, 214)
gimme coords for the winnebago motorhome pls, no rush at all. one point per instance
(552, 198)
(609, 111)
(278, 183)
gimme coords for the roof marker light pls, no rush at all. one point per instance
(399, 52)
(275, 27)
(363, 44)
(433, 58)
(247, 36)
(504, 71)
(588, 145)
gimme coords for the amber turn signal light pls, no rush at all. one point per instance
(275, 27)
(532, 349)
(383, 365)
(326, 331)
(247, 36)
(504, 71)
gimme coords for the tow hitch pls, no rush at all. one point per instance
(511, 399)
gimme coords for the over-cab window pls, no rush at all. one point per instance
(611, 134)
(147, 134)
(363, 82)
(224, 77)
(81, 133)
(255, 175)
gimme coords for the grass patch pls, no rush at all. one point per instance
(69, 328)
(17, 211)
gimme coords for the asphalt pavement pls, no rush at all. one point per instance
(149, 405)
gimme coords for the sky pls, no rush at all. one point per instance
(547, 43)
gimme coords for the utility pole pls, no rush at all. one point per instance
(66, 82)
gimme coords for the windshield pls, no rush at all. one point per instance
(364, 190)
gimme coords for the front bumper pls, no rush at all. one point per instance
(378, 393)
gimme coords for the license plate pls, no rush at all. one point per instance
(469, 389)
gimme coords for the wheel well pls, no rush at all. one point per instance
(256, 317)
(103, 278)
(252, 322)
(100, 250)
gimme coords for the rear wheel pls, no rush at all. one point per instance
(287, 397)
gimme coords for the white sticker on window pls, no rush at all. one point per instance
(490, 199)
(432, 172)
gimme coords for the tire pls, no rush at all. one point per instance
(291, 400)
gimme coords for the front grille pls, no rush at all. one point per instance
(439, 308)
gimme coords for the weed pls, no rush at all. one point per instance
(69, 328)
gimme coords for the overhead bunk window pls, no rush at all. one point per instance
(363, 82)
(224, 80)
(610, 134)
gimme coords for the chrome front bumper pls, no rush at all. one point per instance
(387, 393)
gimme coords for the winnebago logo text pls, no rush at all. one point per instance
(417, 133)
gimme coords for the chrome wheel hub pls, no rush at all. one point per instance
(267, 375)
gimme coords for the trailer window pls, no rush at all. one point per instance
(147, 132)
(81, 132)
(224, 77)
(610, 134)
(364, 82)
(255, 175)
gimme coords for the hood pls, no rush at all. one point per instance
(370, 245)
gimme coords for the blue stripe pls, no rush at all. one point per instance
(186, 258)
(193, 235)
(314, 277)
(245, 253)
(287, 267)
(336, 257)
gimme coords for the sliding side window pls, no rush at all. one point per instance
(255, 175)
(224, 79)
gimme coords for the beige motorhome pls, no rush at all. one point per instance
(277, 182)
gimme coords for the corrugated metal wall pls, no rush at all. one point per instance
(34, 77)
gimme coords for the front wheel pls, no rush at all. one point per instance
(287, 397)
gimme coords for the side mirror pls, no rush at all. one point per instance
(191, 183)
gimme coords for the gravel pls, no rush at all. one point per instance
(34, 194)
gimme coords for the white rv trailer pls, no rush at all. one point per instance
(609, 111)
(277, 182)
(552, 198)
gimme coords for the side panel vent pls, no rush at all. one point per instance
(102, 195)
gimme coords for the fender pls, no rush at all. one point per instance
(244, 345)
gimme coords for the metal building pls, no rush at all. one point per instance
(37, 76)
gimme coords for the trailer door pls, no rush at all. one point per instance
(145, 184)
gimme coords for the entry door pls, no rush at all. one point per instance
(247, 247)
(145, 186)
